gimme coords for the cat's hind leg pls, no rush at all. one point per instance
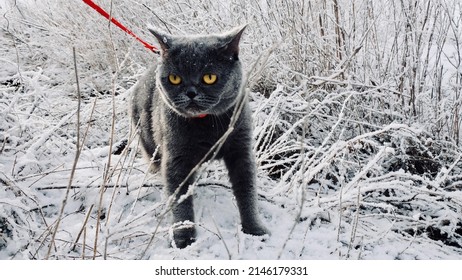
(149, 147)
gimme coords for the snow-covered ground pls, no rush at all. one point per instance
(357, 158)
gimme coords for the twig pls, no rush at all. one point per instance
(83, 229)
(221, 236)
(107, 172)
(76, 159)
(302, 187)
(158, 17)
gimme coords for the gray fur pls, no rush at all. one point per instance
(170, 129)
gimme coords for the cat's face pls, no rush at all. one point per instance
(201, 74)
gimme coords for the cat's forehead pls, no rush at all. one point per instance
(195, 46)
(205, 40)
(190, 55)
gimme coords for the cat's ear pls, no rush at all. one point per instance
(231, 41)
(165, 40)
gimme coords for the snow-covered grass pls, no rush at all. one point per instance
(357, 131)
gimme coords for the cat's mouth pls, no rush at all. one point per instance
(190, 109)
(194, 109)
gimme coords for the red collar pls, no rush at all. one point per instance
(201, 116)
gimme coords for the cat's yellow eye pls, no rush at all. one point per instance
(209, 79)
(174, 79)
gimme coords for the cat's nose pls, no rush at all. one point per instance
(191, 93)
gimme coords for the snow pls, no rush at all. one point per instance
(345, 168)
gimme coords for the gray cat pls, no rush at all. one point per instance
(182, 107)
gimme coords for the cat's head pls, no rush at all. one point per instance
(200, 74)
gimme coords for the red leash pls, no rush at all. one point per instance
(118, 24)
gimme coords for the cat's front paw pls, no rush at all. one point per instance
(184, 237)
(255, 229)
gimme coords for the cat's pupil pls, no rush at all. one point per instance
(210, 79)
(174, 79)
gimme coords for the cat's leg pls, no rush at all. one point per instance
(241, 168)
(175, 171)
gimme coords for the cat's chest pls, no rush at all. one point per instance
(196, 133)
